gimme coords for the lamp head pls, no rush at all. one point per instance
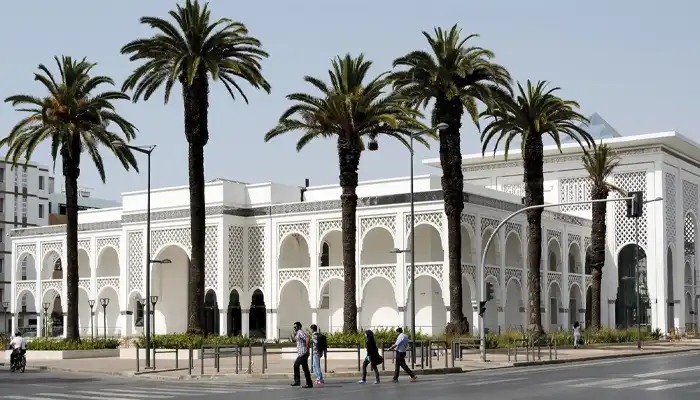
(91, 303)
(104, 301)
(5, 304)
(154, 300)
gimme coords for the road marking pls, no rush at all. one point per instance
(671, 386)
(148, 395)
(667, 372)
(600, 383)
(644, 382)
(492, 382)
(76, 396)
(566, 382)
(26, 398)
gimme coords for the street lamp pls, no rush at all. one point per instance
(147, 150)
(91, 303)
(104, 301)
(154, 300)
(5, 306)
(46, 318)
(439, 127)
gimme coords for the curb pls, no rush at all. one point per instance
(284, 376)
(594, 358)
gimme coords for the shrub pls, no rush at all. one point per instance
(186, 340)
(63, 344)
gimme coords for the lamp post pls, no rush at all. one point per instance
(480, 272)
(91, 303)
(637, 277)
(439, 127)
(5, 306)
(104, 301)
(46, 318)
(147, 150)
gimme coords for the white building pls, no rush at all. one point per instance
(271, 259)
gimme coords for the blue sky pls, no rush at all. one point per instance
(633, 61)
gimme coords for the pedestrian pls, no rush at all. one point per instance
(317, 352)
(401, 346)
(302, 359)
(373, 358)
(577, 335)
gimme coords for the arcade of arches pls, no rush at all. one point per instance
(383, 280)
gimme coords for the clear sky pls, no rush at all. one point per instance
(633, 61)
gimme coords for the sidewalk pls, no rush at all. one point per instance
(281, 369)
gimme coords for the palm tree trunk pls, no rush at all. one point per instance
(349, 161)
(196, 101)
(450, 112)
(598, 249)
(533, 161)
(71, 171)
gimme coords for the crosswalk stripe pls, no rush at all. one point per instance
(27, 398)
(492, 382)
(113, 392)
(600, 383)
(667, 372)
(77, 396)
(643, 382)
(671, 386)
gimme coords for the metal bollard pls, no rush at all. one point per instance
(154, 358)
(201, 361)
(264, 358)
(550, 351)
(237, 349)
(250, 359)
(177, 358)
(216, 358)
(189, 361)
(383, 353)
(509, 346)
(137, 358)
(359, 356)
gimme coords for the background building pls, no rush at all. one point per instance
(27, 199)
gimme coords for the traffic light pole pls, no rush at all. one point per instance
(480, 272)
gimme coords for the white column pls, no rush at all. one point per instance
(479, 285)
(565, 292)
(222, 275)
(314, 257)
(245, 322)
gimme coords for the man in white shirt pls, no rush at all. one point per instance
(401, 346)
(19, 346)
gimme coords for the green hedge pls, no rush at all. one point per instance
(343, 339)
(63, 344)
(566, 338)
(185, 340)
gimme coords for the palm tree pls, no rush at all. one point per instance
(599, 162)
(190, 52)
(455, 77)
(74, 119)
(349, 110)
(531, 116)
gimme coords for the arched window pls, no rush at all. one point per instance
(552, 261)
(138, 318)
(325, 255)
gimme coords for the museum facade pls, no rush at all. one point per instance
(273, 252)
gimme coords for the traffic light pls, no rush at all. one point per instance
(489, 291)
(482, 308)
(634, 205)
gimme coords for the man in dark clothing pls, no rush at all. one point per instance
(302, 360)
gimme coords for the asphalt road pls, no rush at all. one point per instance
(663, 377)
